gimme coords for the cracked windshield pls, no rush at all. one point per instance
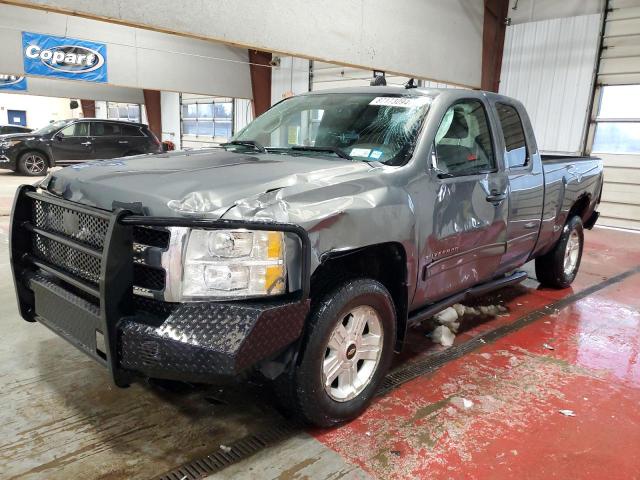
(362, 127)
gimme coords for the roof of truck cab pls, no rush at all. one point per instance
(390, 89)
(451, 93)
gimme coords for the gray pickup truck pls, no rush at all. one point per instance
(304, 248)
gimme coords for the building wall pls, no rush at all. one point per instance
(620, 65)
(170, 110)
(136, 58)
(431, 39)
(290, 77)
(537, 10)
(548, 65)
(49, 87)
(40, 110)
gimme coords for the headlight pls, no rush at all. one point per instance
(233, 263)
(9, 143)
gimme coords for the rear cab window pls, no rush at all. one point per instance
(517, 154)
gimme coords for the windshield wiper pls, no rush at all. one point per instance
(247, 143)
(339, 152)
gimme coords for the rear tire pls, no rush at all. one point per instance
(345, 354)
(33, 164)
(559, 267)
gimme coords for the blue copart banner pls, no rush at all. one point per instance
(13, 82)
(64, 57)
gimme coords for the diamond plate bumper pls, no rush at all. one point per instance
(203, 341)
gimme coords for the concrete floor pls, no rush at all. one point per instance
(60, 417)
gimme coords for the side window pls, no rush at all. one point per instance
(514, 139)
(105, 129)
(131, 131)
(80, 129)
(463, 141)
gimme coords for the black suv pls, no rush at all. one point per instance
(73, 141)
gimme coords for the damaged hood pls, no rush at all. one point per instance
(203, 183)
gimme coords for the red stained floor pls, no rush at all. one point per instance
(513, 427)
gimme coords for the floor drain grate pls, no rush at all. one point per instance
(234, 453)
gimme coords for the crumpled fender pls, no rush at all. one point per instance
(339, 217)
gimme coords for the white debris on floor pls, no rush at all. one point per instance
(461, 402)
(442, 335)
(448, 320)
(567, 413)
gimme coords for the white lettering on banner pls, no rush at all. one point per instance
(63, 59)
(32, 51)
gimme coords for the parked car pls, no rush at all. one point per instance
(73, 141)
(305, 248)
(7, 129)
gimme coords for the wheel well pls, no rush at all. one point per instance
(580, 208)
(37, 150)
(386, 263)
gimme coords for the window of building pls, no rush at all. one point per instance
(209, 119)
(514, 139)
(128, 112)
(618, 120)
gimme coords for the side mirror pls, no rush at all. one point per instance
(59, 136)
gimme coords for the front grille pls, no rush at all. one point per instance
(148, 277)
(80, 226)
(152, 237)
(72, 261)
(91, 231)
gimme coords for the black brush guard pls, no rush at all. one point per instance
(197, 341)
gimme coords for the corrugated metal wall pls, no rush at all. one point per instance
(549, 65)
(620, 205)
(620, 61)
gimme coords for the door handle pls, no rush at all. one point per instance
(496, 197)
(123, 141)
(85, 143)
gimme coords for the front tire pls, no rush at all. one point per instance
(33, 164)
(559, 267)
(346, 352)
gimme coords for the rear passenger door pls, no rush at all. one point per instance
(526, 183)
(108, 140)
(466, 216)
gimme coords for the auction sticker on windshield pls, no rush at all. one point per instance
(403, 102)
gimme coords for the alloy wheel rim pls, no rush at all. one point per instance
(34, 164)
(352, 353)
(571, 253)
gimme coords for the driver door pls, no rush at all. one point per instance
(72, 144)
(465, 207)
